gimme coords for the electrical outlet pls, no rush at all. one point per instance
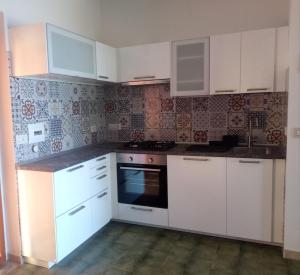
(297, 132)
(114, 127)
(21, 139)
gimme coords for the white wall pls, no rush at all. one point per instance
(130, 22)
(292, 199)
(81, 16)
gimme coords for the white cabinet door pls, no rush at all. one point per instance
(145, 62)
(197, 193)
(258, 61)
(190, 67)
(101, 210)
(72, 229)
(282, 59)
(106, 62)
(249, 198)
(71, 187)
(225, 63)
(70, 54)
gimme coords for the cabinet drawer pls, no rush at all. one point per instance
(72, 229)
(98, 162)
(99, 183)
(142, 214)
(99, 169)
(101, 210)
(71, 187)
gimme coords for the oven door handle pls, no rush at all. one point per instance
(139, 169)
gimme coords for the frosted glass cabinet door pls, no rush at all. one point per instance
(190, 67)
(70, 54)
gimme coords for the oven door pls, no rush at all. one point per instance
(144, 185)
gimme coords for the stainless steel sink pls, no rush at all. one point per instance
(255, 150)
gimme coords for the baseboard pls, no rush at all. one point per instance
(292, 255)
(14, 259)
(33, 261)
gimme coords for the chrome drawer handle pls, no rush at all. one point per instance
(100, 159)
(225, 91)
(101, 168)
(250, 161)
(195, 159)
(101, 195)
(76, 210)
(75, 168)
(103, 76)
(144, 77)
(102, 177)
(141, 209)
(257, 89)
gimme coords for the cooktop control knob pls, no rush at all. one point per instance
(150, 160)
(130, 158)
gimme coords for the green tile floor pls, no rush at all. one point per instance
(131, 249)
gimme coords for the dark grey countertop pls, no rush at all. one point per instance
(72, 157)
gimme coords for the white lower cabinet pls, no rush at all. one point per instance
(197, 193)
(249, 198)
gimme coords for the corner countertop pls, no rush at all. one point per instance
(72, 157)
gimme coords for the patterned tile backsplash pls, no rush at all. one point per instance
(76, 115)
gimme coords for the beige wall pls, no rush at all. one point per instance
(129, 22)
(81, 16)
(292, 197)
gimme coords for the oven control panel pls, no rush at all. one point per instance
(142, 159)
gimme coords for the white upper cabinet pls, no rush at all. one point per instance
(43, 49)
(282, 59)
(144, 62)
(190, 67)
(225, 63)
(249, 198)
(106, 62)
(258, 61)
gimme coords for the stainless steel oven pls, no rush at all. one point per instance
(142, 180)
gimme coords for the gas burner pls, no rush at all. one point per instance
(149, 145)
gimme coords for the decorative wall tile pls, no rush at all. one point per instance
(257, 102)
(28, 109)
(44, 148)
(275, 119)
(258, 119)
(56, 145)
(137, 121)
(240, 132)
(67, 143)
(218, 103)
(55, 128)
(27, 88)
(137, 135)
(42, 109)
(124, 135)
(237, 102)
(200, 120)
(85, 125)
(183, 104)
(152, 134)
(200, 136)
(167, 105)
(168, 134)
(123, 106)
(125, 121)
(123, 92)
(94, 138)
(41, 88)
(218, 120)
(183, 121)
(55, 108)
(152, 104)
(137, 105)
(200, 104)
(275, 136)
(152, 121)
(277, 101)
(84, 106)
(183, 135)
(110, 106)
(168, 121)
(216, 134)
(236, 120)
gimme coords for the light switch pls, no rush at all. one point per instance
(36, 132)
(297, 132)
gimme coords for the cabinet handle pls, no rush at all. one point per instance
(101, 168)
(257, 89)
(141, 209)
(75, 168)
(195, 159)
(102, 177)
(250, 161)
(77, 210)
(224, 91)
(144, 77)
(139, 169)
(103, 76)
(101, 195)
(103, 158)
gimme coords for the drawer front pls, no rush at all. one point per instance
(98, 162)
(98, 183)
(101, 210)
(71, 187)
(142, 214)
(99, 169)
(72, 229)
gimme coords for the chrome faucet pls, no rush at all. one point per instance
(251, 139)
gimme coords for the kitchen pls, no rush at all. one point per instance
(169, 154)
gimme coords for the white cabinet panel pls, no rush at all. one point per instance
(106, 62)
(71, 187)
(73, 228)
(282, 59)
(145, 62)
(197, 193)
(190, 67)
(70, 54)
(258, 61)
(249, 198)
(101, 210)
(225, 63)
